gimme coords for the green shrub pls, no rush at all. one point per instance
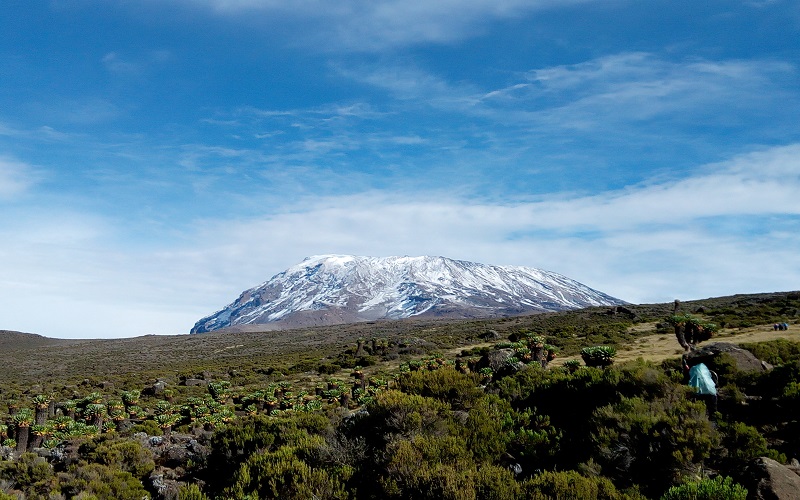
(744, 443)
(235, 444)
(435, 467)
(126, 455)
(598, 356)
(396, 413)
(569, 485)
(719, 488)
(31, 474)
(776, 352)
(191, 492)
(486, 435)
(149, 427)
(104, 483)
(444, 384)
(635, 437)
(496, 483)
(282, 474)
(328, 368)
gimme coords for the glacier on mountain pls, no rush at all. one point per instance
(330, 289)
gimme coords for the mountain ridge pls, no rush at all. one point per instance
(337, 289)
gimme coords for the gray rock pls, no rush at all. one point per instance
(490, 335)
(744, 360)
(191, 382)
(767, 479)
(156, 389)
(499, 360)
(164, 488)
(496, 359)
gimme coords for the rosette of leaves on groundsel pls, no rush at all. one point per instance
(598, 356)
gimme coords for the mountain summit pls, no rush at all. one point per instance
(335, 289)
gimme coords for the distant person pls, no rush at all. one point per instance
(705, 383)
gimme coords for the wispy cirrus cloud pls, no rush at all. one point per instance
(622, 87)
(81, 111)
(367, 26)
(117, 63)
(637, 87)
(16, 178)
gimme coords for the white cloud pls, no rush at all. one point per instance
(620, 89)
(637, 86)
(359, 25)
(631, 242)
(118, 64)
(82, 111)
(680, 238)
(15, 178)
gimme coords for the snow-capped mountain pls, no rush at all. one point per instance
(335, 289)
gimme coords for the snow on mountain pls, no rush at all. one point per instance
(335, 289)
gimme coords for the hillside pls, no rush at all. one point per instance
(32, 357)
(405, 409)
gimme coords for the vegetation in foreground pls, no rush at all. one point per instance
(432, 427)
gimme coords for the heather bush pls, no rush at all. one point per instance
(551, 485)
(443, 384)
(718, 488)
(634, 437)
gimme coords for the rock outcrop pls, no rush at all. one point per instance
(743, 360)
(767, 479)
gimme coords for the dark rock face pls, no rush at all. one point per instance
(767, 479)
(744, 360)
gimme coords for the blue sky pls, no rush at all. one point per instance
(159, 157)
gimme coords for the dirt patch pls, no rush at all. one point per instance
(658, 347)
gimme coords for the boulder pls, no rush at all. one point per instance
(496, 359)
(156, 389)
(744, 360)
(164, 487)
(766, 479)
(499, 361)
(189, 382)
(489, 335)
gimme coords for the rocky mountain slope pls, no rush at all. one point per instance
(335, 289)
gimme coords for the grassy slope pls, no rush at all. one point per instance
(34, 359)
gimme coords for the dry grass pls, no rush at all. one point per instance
(658, 347)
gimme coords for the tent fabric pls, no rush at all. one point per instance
(701, 379)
